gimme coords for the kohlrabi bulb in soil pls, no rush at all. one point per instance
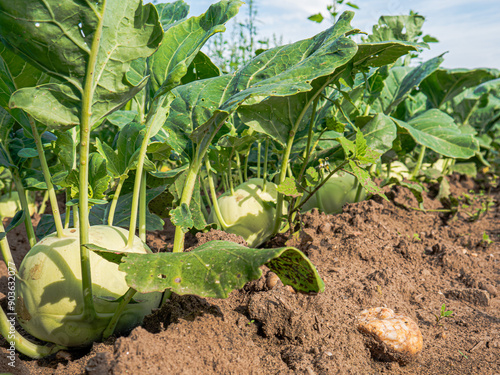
(247, 212)
(49, 299)
(10, 204)
(339, 190)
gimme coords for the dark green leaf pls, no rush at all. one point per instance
(78, 23)
(444, 84)
(99, 214)
(182, 42)
(216, 268)
(16, 221)
(27, 153)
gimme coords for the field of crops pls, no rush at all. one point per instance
(163, 214)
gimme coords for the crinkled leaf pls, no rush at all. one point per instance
(436, 130)
(126, 29)
(403, 27)
(169, 13)
(99, 178)
(214, 269)
(379, 134)
(289, 187)
(181, 217)
(365, 180)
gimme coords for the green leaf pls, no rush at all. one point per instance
(65, 148)
(404, 27)
(201, 68)
(365, 180)
(99, 178)
(444, 84)
(27, 153)
(16, 221)
(290, 188)
(216, 268)
(413, 79)
(15, 73)
(122, 118)
(183, 40)
(99, 214)
(312, 176)
(318, 17)
(52, 26)
(181, 217)
(379, 134)
(169, 13)
(437, 131)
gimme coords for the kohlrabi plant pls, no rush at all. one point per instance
(72, 74)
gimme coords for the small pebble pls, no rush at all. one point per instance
(272, 280)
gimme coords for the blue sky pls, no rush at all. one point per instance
(468, 30)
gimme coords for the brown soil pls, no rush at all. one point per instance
(375, 253)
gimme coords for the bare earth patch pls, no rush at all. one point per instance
(374, 254)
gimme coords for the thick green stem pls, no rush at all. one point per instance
(238, 164)
(114, 202)
(258, 158)
(264, 173)
(5, 251)
(282, 176)
(48, 179)
(127, 297)
(245, 165)
(24, 204)
(68, 208)
(229, 173)
(142, 208)
(205, 189)
(187, 194)
(417, 167)
(21, 344)
(192, 174)
(151, 119)
(89, 313)
(215, 205)
(358, 191)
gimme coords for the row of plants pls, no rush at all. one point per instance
(113, 106)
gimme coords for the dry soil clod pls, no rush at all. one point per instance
(390, 336)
